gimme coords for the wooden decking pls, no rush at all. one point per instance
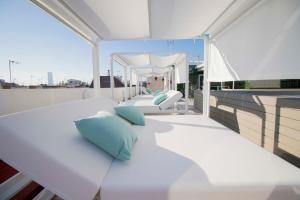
(6, 171)
(15, 186)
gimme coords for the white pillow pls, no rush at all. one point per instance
(172, 97)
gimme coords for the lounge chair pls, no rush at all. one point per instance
(147, 106)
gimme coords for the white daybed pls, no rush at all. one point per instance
(44, 145)
(193, 157)
(146, 96)
(175, 157)
(146, 105)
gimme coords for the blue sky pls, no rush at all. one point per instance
(42, 44)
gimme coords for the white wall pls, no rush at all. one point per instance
(15, 100)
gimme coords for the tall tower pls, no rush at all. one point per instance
(50, 78)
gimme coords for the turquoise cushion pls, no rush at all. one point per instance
(131, 114)
(159, 98)
(157, 92)
(108, 132)
(149, 90)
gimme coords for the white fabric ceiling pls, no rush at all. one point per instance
(136, 19)
(148, 59)
(148, 64)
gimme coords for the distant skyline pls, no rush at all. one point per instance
(42, 44)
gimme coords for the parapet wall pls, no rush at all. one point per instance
(16, 100)
(269, 119)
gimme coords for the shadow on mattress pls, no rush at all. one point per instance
(153, 172)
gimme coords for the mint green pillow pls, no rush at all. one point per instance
(159, 98)
(149, 90)
(157, 92)
(109, 133)
(131, 114)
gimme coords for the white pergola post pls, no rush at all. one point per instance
(96, 73)
(136, 85)
(206, 83)
(125, 81)
(165, 81)
(174, 80)
(169, 79)
(112, 81)
(186, 87)
(140, 85)
(130, 86)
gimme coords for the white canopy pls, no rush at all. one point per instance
(244, 39)
(149, 64)
(136, 19)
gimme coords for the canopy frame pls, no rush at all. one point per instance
(127, 65)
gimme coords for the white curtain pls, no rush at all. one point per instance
(261, 45)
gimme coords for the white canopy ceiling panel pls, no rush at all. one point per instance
(163, 61)
(140, 19)
(120, 60)
(136, 59)
(58, 10)
(141, 71)
(260, 45)
(180, 19)
(114, 19)
(234, 11)
(149, 64)
(162, 70)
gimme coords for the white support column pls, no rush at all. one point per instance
(96, 73)
(125, 81)
(169, 79)
(165, 81)
(140, 91)
(130, 86)
(137, 85)
(174, 78)
(206, 83)
(186, 86)
(112, 81)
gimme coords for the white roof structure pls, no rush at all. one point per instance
(172, 66)
(244, 39)
(149, 64)
(136, 19)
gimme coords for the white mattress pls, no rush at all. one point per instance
(193, 157)
(145, 105)
(45, 145)
(146, 96)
